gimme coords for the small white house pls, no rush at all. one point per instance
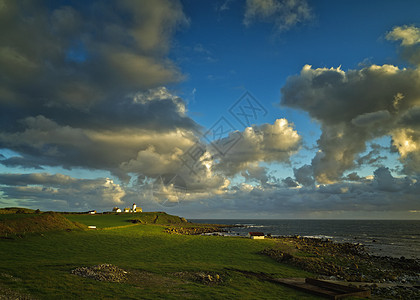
(116, 209)
(126, 210)
(256, 235)
(92, 212)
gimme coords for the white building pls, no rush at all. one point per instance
(136, 208)
(256, 235)
(116, 209)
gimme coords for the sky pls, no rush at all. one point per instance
(212, 109)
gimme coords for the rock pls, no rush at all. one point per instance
(346, 261)
(208, 278)
(103, 272)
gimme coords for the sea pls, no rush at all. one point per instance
(395, 238)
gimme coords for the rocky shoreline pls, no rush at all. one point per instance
(351, 264)
(393, 278)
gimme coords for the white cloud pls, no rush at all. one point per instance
(208, 173)
(159, 94)
(119, 146)
(410, 42)
(407, 142)
(354, 107)
(264, 143)
(409, 35)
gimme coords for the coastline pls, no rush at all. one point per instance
(351, 264)
(393, 238)
(340, 262)
(175, 250)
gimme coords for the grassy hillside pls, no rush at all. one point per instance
(22, 223)
(122, 219)
(16, 210)
(159, 265)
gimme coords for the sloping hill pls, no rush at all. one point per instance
(158, 218)
(13, 224)
(108, 220)
(16, 210)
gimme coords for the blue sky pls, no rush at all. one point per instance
(106, 104)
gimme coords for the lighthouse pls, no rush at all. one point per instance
(134, 207)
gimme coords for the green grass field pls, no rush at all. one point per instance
(39, 265)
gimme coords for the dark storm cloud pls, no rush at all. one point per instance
(353, 176)
(362, 197)
(35, 179)
(289, 182)
(61, 192)
(17, 161)
(79, 64)
(304, 175)
(82, 84)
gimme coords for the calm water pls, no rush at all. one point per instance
(381, 237)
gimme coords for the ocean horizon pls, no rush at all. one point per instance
(393, 238)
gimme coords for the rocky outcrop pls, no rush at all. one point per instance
(103, 272)
(194, 230)
(345, 261)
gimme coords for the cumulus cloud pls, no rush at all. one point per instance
(385, 181)
(61, 192)
(353, 176)
(354, 107)
(54, 56)
(256, 173)
(304, 175)
(362, 197)
(204, 171)
(44, 142)
(407, 142)
(410, 41)
(284, 14)
(72, 97)
(409, 35)
(357, 106)
(289, 182)
(369, 119)
(264, 143)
